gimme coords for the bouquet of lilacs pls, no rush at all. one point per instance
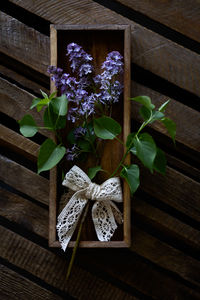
(86, 102)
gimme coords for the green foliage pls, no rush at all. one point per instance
(49, 155)
(60, 105)
(131, 174)
(93, 171)
(145, 100)
(163, 106)
(145, 113)
(28, 126)
(106, 128)
(145, 149)
(170, 126)
(52, 120)
(160, 162)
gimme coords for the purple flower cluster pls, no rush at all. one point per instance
(84, 90)
(110, 89)
(73, 152)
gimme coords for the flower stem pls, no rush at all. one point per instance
(120, 163)
(77, 242)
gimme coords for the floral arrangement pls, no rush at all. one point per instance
(87, 101)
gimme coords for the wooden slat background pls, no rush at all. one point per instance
(164, 259)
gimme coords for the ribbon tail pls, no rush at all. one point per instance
(69, 217)
(104, 221)
(117, 213)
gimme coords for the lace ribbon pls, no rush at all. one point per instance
(104, 211)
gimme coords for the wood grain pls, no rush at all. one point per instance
(149, 50)
(167, 224)
(14, 286)
(51, 268)
(15, 102)
(183, 16)
(24, 180)
(22, 80)
(17, 40)
(18, 143)
(175, 189)
(166, 256)
(143, 244)
(24, 213)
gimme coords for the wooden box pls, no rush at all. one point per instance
(98, 40)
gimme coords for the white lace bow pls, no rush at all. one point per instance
(104, 211)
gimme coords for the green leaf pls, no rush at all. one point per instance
(106, 128)
(35, 102)
(131, 174)
(52, 96)
(60, 105)
(145, 113)
(44, 94)
(130, 139)
(146, 149)
(84, 145)
(49, 155)
(133, 150)
(163, 106)
(171, 127)
(52, 120)
(156, 115)
(160, 162)
(42, 103)
(145, 100)
(93, 171)
(70, 137)
(28, 126)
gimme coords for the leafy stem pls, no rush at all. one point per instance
(77, 241)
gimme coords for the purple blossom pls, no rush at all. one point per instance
(73, 152)
(79, 132)
(56, 74)
(113, 64)
(84, 91)
(79, 58)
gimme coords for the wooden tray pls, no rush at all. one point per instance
(98, 40)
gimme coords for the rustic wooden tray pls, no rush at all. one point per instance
(98, 40)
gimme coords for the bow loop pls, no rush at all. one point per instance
(104, 211)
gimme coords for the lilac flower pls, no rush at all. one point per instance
(83, 92)
(113, 64)
(85, 69)
(79, 132)
(73, 152)
(78, 58)
(56, 74)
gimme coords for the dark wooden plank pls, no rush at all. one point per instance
(51, 268)
(22, 80)
(15, 102)
(174, 189)
(182, 16)
(14, 286)
(149, 50)
(17, 209)
(18, 143)
(24, 180)
(166, 224)
(187, 119)
(166, 256)
(24, 212)
(139, 273)
(18, 45)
